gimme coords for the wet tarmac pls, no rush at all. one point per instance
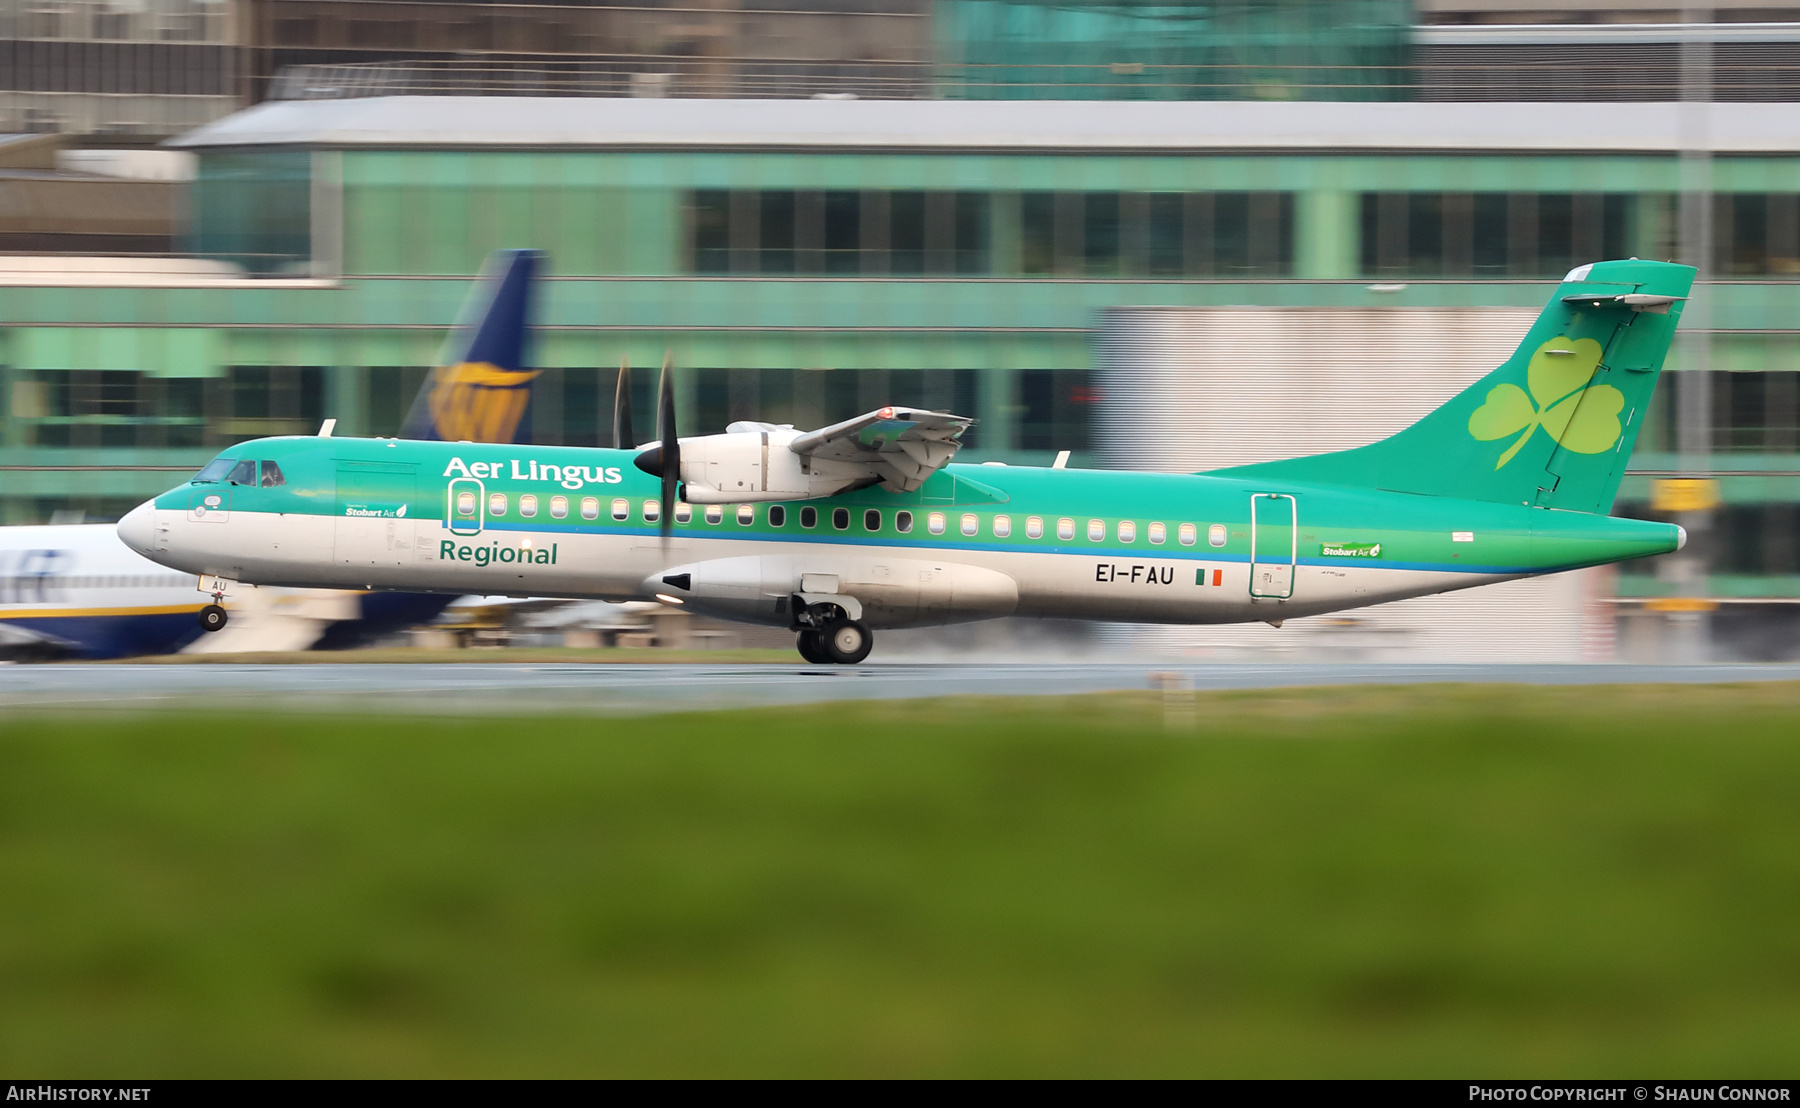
(504, 689)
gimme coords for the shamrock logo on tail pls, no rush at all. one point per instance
(1558, 376)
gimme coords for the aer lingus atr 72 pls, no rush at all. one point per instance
(865, 525)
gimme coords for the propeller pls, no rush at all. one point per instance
(623, 439)
(664, 459)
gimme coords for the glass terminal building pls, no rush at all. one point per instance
(803, 260)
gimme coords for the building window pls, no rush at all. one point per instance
(1492, 234)
(948, 233)
(1058, 409)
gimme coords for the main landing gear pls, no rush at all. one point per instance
(212, 618)
(829, 637)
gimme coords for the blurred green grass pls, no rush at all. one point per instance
(1431, 881)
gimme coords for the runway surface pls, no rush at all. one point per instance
(505, 689)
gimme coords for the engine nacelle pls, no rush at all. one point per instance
(891, 592)
(755, 465)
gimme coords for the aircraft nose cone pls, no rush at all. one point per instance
(138, 529)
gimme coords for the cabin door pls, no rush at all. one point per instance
(1274, 544)
(375, 514)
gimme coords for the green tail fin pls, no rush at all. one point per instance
(1553, 426)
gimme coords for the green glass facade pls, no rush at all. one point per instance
(1197, 50)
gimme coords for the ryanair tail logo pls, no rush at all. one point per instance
(478, 402)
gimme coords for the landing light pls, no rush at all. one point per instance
(667, 599)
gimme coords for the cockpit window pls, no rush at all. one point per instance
(244, 473)
(271, 475)
(214, 471)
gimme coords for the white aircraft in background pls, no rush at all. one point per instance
(76, 590)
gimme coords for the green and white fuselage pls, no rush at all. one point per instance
(1538, 446)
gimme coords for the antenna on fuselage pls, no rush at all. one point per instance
(623, 439)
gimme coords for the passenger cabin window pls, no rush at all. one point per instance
(1186, 534)
(271, 475)
(465, 505)
(1096, 530)
(840, 518)
(935, 523)
(244, 473)
(746, 514)
(621, 509)
(528, 505)
(590, 507)
(652, 511)
(872, 519)
(1034, 527)
(1127, 531)
(559, 508)
(970, 524)
(214, 471)
(1214, 535)
(683, 511)
(903, 522)
(1002, 526)
(1159, 534)
(715, 513)
(496, 503)
(809, 516)
(777, 516)
(1065, 529)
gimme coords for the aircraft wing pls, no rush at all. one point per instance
(899, 447)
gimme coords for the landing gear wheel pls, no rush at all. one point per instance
(810, 649)
(846, 641)
(212, 618)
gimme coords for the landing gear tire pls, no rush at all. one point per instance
(846, 641)
(810, 649)
(212, 618)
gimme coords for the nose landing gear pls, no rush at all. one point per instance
(212, 618)
(829, 636)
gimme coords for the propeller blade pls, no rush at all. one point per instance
(623, 439)
(671, 445)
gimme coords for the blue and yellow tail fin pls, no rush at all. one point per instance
(481, 390)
